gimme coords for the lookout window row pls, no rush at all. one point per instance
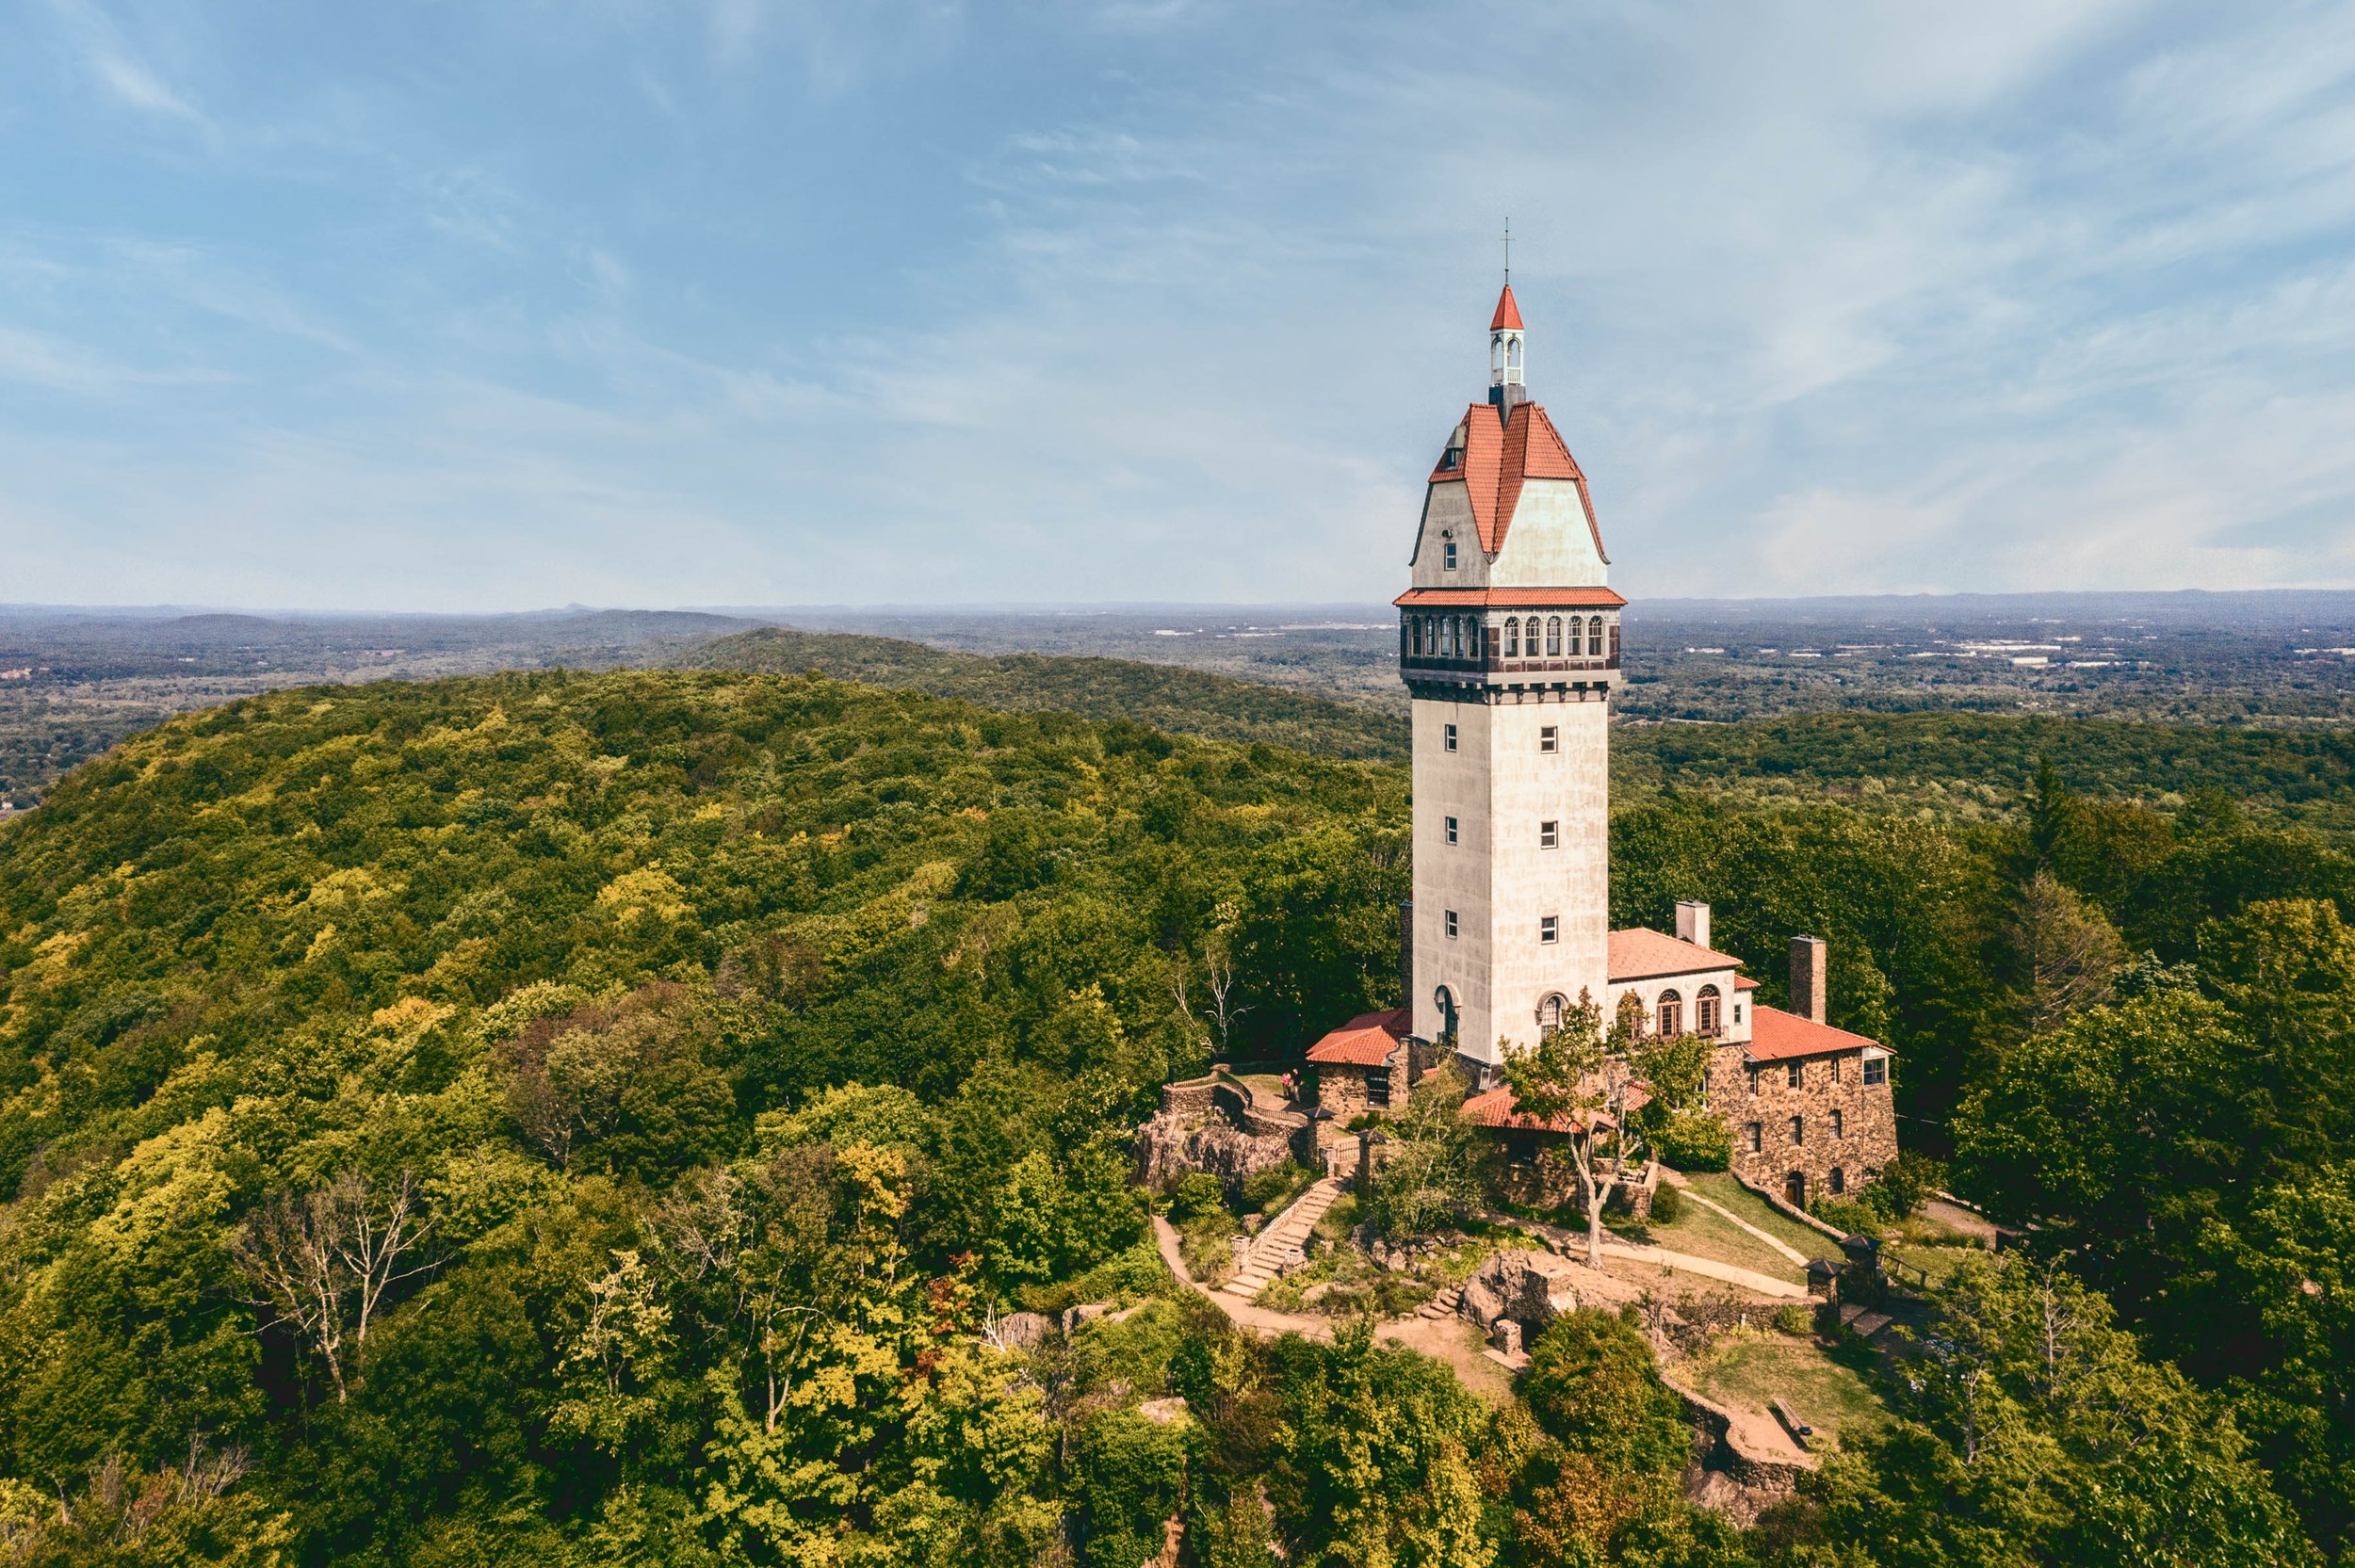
(1535, 637)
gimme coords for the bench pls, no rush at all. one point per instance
(1800, 1432)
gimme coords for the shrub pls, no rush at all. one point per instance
(1196, 1194)
(1593, 1386)
(1851, 1215)
(1667, 1205)
(1268, 1190)
(1794, 1317)
(1694, 1141)
(1902, 1185)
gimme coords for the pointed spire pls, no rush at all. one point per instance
(1508, 317)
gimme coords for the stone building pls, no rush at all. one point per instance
(1509, 647)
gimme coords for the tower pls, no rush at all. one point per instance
(1509, 646)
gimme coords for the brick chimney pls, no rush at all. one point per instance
(1693, 922)
(1808, 960)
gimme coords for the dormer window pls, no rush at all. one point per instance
(1447, 556)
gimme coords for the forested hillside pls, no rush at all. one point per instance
(1167, 697)
(595, 1118)
(1966, 765)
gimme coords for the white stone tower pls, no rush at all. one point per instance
(1509, 644)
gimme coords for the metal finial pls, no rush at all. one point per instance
(1508, 250)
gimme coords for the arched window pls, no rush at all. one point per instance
(1512, 636)
(1553, 637)
(1671, 1013)
(1445, 1000)
(1705, 1006)
(1551, 1011)
(1594, 636)
(1839, 1183)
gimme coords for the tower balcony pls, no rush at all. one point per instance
(1468, 644)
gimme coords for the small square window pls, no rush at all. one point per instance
(1449, 553)
(1796, 1074)
(1737, 1012)
(1549, 835)
(1756, 1137)
(1451, 830)
(1875, 1070)
(1549, 927)
(1447, 740)
(1548, 739)
(1450, 925)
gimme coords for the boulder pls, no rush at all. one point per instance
(1087, 1311)
(1171, 1145)
(1020, 1331)
(1533, 1288)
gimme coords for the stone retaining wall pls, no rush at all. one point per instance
(1762, 1481)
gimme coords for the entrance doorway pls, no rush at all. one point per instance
(1795, 1188)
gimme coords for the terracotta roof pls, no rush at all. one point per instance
(1496, 1109)
(1508, 314)
(1644, 954)
(1743, 982)
(1778, 1036)
(1510, 598)
(1500, 451)
(1365, 1040)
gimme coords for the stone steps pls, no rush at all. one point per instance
(1865, 1324)
(1444, 1304)
(1285, 1239)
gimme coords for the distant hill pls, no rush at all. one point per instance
(1165, 697)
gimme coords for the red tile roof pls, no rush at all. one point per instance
(1778, 1036)
(1496, 1109)
(1509, 598)
(1365, 1040)
(1500, 451)
(1642, 954)
(1743, 982)
(1508, 314)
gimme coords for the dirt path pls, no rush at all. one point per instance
(1978, 1227)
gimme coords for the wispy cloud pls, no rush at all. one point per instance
(522, 303)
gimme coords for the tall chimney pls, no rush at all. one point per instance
(1808, 960)
(1693, 922)
(1407, 952)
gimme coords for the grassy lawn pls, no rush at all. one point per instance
(1750, 1369)
(1703, 1233)
(1720, 1188)
(1268, 1086)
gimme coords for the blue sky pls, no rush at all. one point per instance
(503, 305)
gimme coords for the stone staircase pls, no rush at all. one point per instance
(1443, 1304)
(1283, 1240)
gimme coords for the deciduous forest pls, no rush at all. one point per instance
(609, 1118)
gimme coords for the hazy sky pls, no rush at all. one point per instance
(476, 304)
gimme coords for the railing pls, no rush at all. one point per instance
(1506, 666)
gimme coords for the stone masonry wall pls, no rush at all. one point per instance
(1868, 1139)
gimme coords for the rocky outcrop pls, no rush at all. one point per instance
(1173, 1144)
(1533, 1288)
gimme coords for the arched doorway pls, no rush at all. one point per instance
(1445, 1000)
(1795, 1188)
